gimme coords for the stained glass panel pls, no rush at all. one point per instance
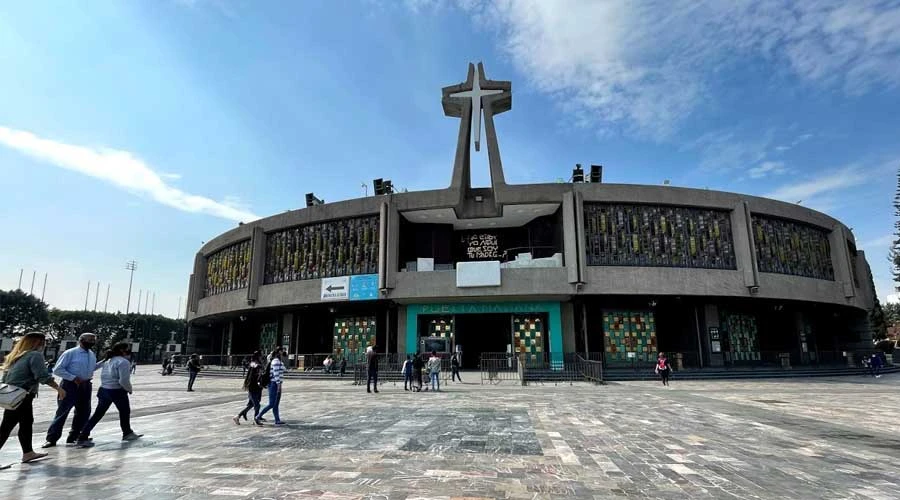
(228, 269)
(335, 248)
(742, 335)
(630, 331)
(352, 335)
(787, 247)
(658, 236)
(529, 332)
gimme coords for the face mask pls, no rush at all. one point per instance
(88, 345)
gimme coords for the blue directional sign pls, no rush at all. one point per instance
(364, 287)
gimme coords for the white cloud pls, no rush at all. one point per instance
(119, 168)
(877, 244)
(169, 175)
(766, 168)
(644, 66)
(817, 191)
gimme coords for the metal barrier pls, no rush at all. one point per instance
(541, 368)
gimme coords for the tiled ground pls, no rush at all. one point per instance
(833, 438)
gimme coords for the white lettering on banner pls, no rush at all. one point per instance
(335, 288)
(482, 246)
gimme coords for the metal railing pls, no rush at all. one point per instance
(497, 367)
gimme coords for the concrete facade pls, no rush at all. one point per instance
(574, 282)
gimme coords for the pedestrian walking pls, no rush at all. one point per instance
(454, 368)
(275, 374)
(343, 366)
(434, 371)
(115, 386)
(76, 368)
(193, 366)
(24, 368)
(663, 368)
(253, 388)
(133, 365)
(407, 372)
(875, 365)
(372, 368)
(418, 366)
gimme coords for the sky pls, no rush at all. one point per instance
(139, 130)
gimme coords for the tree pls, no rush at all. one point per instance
(877, 320)
(894, 255)
(20, 313)
(891, 313)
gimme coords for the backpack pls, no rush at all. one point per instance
(661, 364)
(265, 375)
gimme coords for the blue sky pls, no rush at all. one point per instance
(138, 130)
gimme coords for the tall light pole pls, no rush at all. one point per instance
(140, 294)
(45, 287)
(131, 266)
(106, 304)
(96, 296)
(87, 294)
(20, 278)
(178, 312)
(153, 307)
(33, 275)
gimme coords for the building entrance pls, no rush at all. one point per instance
(478, 333)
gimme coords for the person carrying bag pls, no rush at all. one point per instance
(24, 370)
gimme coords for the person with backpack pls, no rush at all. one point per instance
(115, 386)
(407, 371)
(24, 368)
(193, 366)
(418, 365)
(273, 376)
(663, 368)
(252, 386)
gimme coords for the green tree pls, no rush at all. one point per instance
(20, 313)
(891, 313)
(877, 320)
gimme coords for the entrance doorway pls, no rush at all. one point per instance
(478, 333)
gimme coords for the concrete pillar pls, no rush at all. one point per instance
(401, 331)
(257, 263)
(393, 247)
(580, 237)
(840, 260)
(190, 306)
(567, 313)
(199, 290)
(570, 238)
(383, 238)
(744, 243)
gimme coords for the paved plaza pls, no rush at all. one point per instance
(810, 438)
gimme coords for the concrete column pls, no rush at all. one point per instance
(383, 238)
(257, 263)
(570, 239)
(199, 290)
(401, 331)
(744, 244)
(580, 236)
(567, 314)
(190, 306)
(393, 247)
(840, 260)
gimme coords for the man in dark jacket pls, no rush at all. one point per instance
(418, 364)
(372, 365)
(193, 366)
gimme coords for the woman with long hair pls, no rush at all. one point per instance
(276, 376)
(115, 386)
(254, 390)
(24, 367)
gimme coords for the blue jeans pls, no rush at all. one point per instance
(274, 400)
(78, 396)
(192, 376)
(435, 381)
(105, 399)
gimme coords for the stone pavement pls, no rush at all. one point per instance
(809, 438)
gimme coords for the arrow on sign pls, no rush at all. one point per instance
(332, 288)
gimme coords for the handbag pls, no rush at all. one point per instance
(11, 396)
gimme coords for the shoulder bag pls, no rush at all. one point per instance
(11, 396)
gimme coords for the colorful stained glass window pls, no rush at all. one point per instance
(352, 335)
(268, 336)
(442, 327)
(787, 247)
(742, 335)
(630, 332)
(658, 236)
(228, 269)
(335, 248)
(529, 332)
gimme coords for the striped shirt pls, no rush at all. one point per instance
(277, 371)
